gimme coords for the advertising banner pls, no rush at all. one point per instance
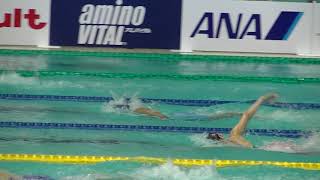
(24, 22)
(242, 26)
(116, 23)
(316, 30)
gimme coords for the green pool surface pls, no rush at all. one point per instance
(154, 144)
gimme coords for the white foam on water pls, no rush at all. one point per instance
(172, 172)
(135, 102)
(86, 177)
(24, 64)
(311, 144)
(61, 84)
(284, 115)
(280, 146)
(306, 145)
(110, 107)
(16, 79)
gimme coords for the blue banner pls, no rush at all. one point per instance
(116, 23)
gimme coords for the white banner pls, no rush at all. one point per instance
(24, 22)
(242, 26)
(316, 30)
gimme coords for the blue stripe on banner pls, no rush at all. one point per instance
(106, 127)
(284, 25)
(293, 25)
(181, 102)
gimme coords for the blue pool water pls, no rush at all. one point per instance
(154, 144)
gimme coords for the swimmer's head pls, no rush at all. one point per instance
(121, 106)
(215, 136)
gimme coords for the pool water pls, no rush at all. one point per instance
(153, 144)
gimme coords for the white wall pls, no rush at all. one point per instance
(316, 30)
(299, 41)
(25, 35)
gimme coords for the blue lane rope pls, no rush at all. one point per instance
(27, 177)
(106, 127)
(181, 102)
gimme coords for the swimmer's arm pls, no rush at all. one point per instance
(240, 141)
(238, 130)
(246, 116)
(150, 112)
(4, 175)
(218, 116)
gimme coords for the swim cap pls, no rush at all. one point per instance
(215, 136)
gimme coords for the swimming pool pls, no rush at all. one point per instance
(71, 75)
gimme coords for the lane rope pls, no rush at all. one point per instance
(168, 57)
(66, 159)
(29, 177)
(181, 102)
(147, 128)
(286, 80)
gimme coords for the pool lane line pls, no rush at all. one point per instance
(34, 177)
(72, 140)
(148, 128)
(285, 80)
(89, 159)
(168, 57)
(180, 102)
(103, 141)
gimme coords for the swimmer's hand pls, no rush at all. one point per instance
(270, 97)
(159, 115)
(163, 117)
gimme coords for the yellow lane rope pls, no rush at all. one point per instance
(152, 160)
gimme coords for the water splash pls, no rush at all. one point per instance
(281, 146)
(311, 144)
(35, 82)
(172, 172)
(133, 103)
(24, 64)
(16, 79)
(87, 177)
(305, 145)
(284, 115)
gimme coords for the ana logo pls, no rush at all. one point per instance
(280, 30)
(15, 19)
(106, 24)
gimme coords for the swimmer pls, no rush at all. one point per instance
(236, 134)
(139, 109)
(8, 176)
(127, 105)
